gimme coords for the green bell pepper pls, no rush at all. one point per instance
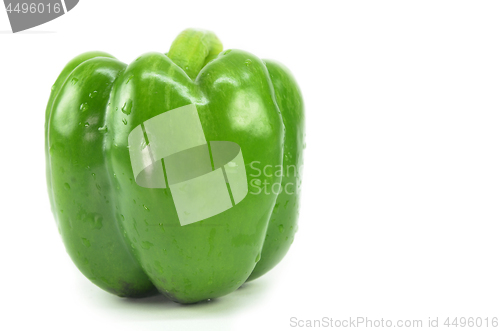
(127, 238)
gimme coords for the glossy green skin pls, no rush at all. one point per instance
(127, 239)
(79, 187)
(283, 223)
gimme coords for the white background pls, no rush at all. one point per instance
(400, 212)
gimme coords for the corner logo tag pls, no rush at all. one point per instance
(24, 15)
(205, 178)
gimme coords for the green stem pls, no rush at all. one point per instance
(193, 49)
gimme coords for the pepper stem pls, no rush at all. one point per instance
(193, 49)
